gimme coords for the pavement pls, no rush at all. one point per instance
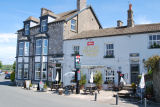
(11, 96)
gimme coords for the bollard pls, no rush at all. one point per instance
(95, 97)
(117, 99)
(145, 102)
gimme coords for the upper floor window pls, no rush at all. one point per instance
(76, 49)
(109, 51)
(154, 41)
(21, 47)
(73, 24)
(24, 49)
(26, 29)
(41, 43)
(44, 26)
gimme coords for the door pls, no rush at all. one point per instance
(134, 73)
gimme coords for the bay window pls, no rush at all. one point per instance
(43, 25)
(37, 71)
(20, 68)
(26, 68)
(26, 29)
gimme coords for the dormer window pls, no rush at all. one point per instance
(26, 29)
(44, 26)
(73, 25)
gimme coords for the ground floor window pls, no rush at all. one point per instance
(20, 67)
(26, 71)
(44, 77)
(37, 71)
(110, 76)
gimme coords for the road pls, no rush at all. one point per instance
(11, 96)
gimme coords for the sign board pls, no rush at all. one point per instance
(90, 43)
(78, 65)
(41, 85)
(28, 82)
(79, 75)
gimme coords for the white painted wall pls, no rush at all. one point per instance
(50, 19)
(123, 46)
(33, 24)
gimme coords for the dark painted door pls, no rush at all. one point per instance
(134, 73)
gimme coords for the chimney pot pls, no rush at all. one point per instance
(119, 23)
(130, 6)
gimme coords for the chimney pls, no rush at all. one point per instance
(81, 4)
(45, 11)
(130, 21)
(119, 23)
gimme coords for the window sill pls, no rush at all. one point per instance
(109, 57)
(74, 31)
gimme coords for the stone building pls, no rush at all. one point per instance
(40, 43)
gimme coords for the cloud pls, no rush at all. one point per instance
(7, 47)
(143, 20)
(7, 37)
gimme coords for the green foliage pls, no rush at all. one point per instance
(149, 90)
(0, 64)
(30, 85)
(98, 79)
(45, 86)
(83, 79)
(133, 86)
(152, 63)
(7, 67)
(12, 78)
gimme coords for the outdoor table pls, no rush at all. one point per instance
(56, 86)
(90, 89)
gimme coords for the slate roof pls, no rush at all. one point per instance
(117, 31)
(64, 16)
(31, 18)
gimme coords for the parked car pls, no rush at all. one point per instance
(7, 76)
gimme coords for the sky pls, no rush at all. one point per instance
(14, 12)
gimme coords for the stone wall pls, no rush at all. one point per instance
(156, 84)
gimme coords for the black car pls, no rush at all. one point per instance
(7, 76)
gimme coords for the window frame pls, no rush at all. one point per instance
(109, 76)
(109, 50)
(44, 25)
(73, 24)
(154, 41)
(27, 29)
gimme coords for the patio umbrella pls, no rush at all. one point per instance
(68, 77)
(91, 78)
(123, 81)
(57, 77)
(142, 84)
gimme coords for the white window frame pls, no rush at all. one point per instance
(26, 48)
(110, 75)
(45, 46)
(20, 70)
(109, 50)
(26, 69)
(36, 71)
(21, 49)
(44, 72)
(76, 49)
(27, 29)
(38, 47)
(73, 24)
(157, 40)
(44, 25)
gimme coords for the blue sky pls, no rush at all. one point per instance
(14, 12)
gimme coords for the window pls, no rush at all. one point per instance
(44, 73)
(20, 66)
(26, 71)
(21, 46)
(44, 26)
(154, 41)
(109, 51)
(37, 71)
(73, 25)
(26, 29)
(38, 47)
(110, 76)
(45, 46)
(76, 49)
(26, 49)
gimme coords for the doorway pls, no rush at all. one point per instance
(134, 73)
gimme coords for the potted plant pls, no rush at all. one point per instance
(149, 91)
(45, 87)
(60, 91)
(133, 87)
(82, 82)
(30, 85)
(98, 80)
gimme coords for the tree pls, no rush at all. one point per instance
(13, 73)
(98, 79)
(0, 64)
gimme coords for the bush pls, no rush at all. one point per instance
(83, 80)
(45, 86)
(12, 76)
(98, 79)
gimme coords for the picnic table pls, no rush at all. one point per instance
(90, 89)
